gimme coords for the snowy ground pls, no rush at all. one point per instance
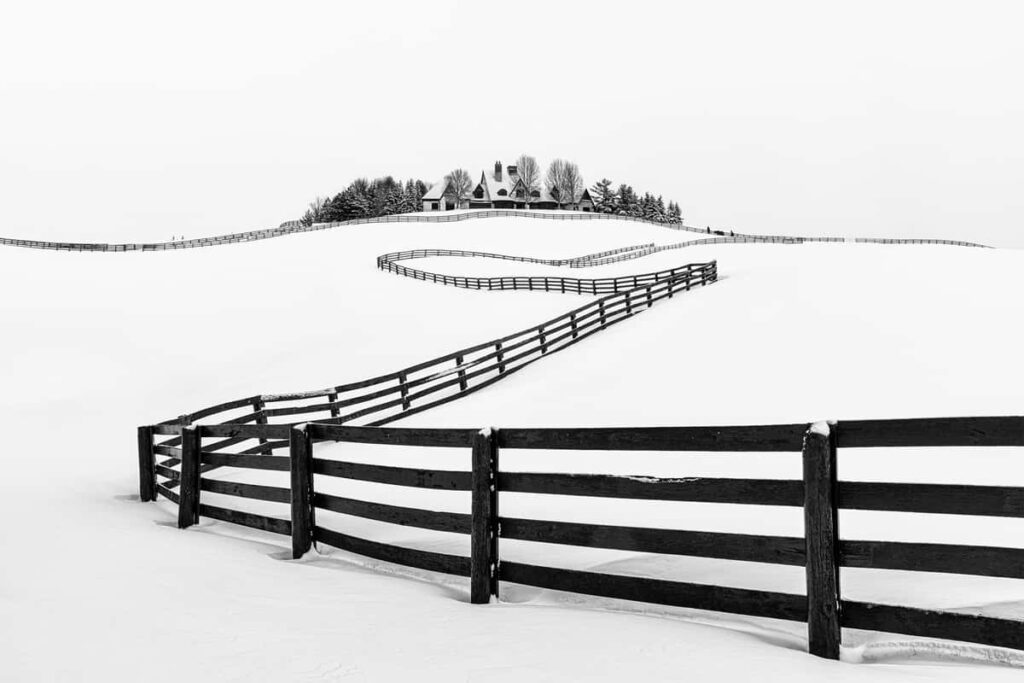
(95, 585)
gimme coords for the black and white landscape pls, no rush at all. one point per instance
(731, 379)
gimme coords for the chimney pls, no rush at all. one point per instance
(497, 171)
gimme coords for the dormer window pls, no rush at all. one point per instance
(478, 192)
(535, 193)
(502, 193)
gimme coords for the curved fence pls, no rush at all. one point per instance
(564, 285)
(266, 445)
(293, 227)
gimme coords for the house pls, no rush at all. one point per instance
(501, 189)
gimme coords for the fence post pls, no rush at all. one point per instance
(483, 579)
(147, 470)
(821, 534)
(543, 340)
(188, 496)
(500, 356)
(462, 373)
(572, 323)
(333, 398)
(300, 452)
(600, 305)
(404, 387)
(257, 408)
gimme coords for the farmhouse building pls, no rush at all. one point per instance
(501, 189)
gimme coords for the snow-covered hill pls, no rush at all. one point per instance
(95, 344)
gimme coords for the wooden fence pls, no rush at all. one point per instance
(386, 398)
(292, 227)
(820, 550)
(564, 285)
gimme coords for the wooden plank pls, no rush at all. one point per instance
(251, 462)
(934, 624)
(172, 451)
(147, 473)
(168, 473)
(398, 476)
(397, 436)
(934, 557)
(420, 559)
(452, 522)
(691, 489)
(742, 547)
(941, 431)
(301, 494)
(949, 499)
(253, 521)
(188, 504)
(167, 493)
(272, 494)
(658, 591)
(763, 438)
(166, 429)
(244, 431)
(221, 408)
(484, 537)
(821, 525)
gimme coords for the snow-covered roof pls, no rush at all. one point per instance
(436, 190)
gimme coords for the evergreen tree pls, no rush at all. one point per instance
(604, 196)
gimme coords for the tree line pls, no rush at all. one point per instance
(563, 181)
(367, 199)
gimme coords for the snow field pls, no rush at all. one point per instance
(96, 344)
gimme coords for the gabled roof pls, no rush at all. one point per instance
(436, 190)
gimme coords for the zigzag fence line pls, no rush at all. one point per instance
(564, 285)
(253, 433)
(411, 390)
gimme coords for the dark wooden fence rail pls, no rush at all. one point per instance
(293, 227)
(821, 550)
(254, 427)
(609, 285)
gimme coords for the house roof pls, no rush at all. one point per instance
(436, 190)
(491, 187)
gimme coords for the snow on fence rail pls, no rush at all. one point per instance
(820, 493)
(390, 397)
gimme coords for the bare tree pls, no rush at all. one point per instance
(572, 183)
(554, 179)
(564, 182)
(529, 173)
(315, 212)
(459, 185)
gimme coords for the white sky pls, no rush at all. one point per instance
(127, 120)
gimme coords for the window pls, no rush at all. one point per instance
(502, 193)
(478, 192)
(535, 193)
(520, 193)
(433, 206)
